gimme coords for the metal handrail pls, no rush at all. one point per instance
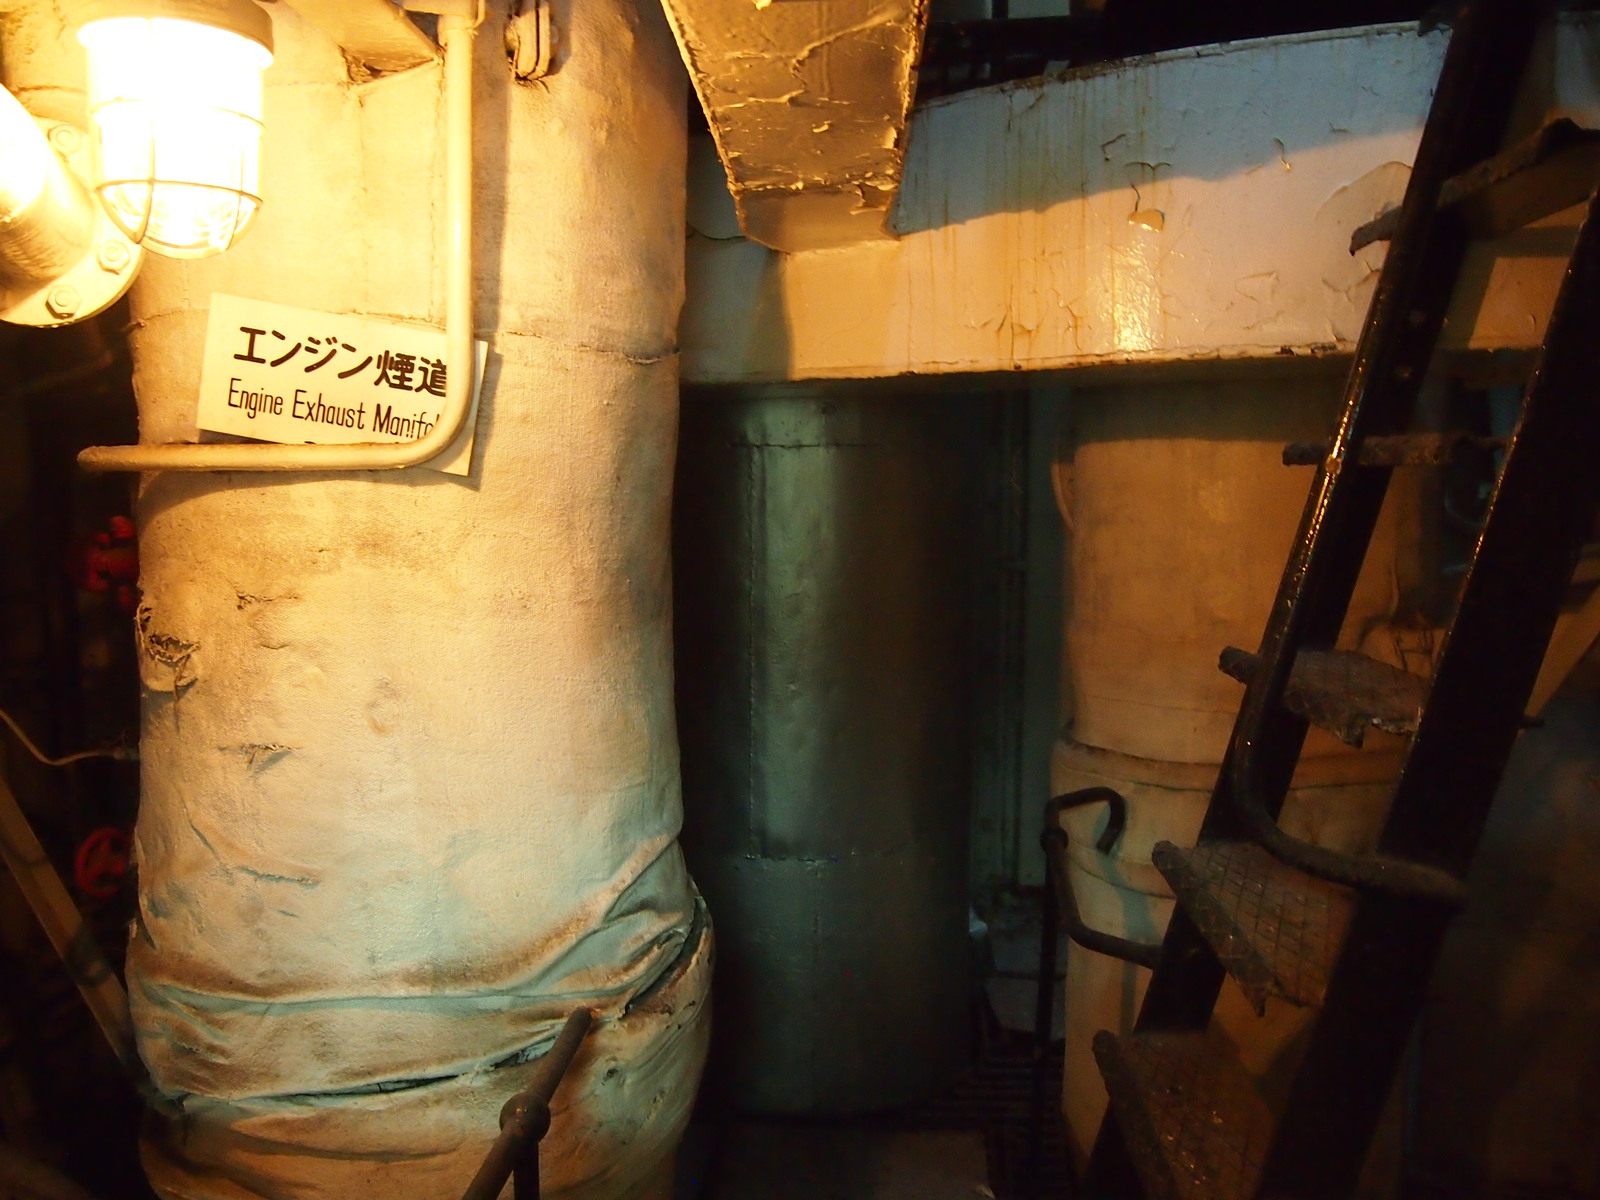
(1061, 907)
(526, 1118)
(1058, 887)
(1368, 872)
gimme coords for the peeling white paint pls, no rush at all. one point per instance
(1193, 205)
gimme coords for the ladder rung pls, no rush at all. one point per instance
(1276, 929)
(1397, 450)
(1194, 1124)
(1342, 691)
(1544, 173)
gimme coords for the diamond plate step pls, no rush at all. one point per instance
(1276, 929)
(1194, 1124)
(1341, 691)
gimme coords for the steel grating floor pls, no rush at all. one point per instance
(886, 1156)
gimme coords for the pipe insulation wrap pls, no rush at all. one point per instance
(410, 769)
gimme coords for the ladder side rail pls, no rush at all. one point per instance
(1358, 1042)
(1538, 520)
(1477, 84)
(1466, 123)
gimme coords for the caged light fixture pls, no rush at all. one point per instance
(175, 105)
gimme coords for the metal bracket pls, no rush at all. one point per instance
(1365, 872)
(530, 39)
(101, 276)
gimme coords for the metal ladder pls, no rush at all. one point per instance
(1357, 936)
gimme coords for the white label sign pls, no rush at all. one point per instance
(281, 374)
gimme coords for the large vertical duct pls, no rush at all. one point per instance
(410, 776)
(824, 632)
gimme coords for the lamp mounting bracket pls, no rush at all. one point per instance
(100, 276)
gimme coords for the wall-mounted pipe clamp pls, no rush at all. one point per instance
(530, 39)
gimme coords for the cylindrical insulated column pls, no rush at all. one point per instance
(410, 772)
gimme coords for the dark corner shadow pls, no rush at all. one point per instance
(1518, 979)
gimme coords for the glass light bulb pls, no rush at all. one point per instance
(176, 109)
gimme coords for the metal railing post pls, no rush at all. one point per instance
(525, 1119)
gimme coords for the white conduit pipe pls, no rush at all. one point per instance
(456, 35)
